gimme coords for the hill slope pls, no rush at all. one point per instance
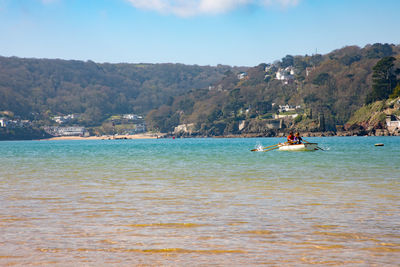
(328, 88)
(39, 88)
(324, 89)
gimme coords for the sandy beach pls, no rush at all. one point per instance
(108, 137)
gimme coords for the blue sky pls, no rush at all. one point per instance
(203, 32)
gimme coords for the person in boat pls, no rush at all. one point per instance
(297, 139)
(290, 139)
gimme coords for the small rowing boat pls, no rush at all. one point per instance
(298, 147)
(307, 146)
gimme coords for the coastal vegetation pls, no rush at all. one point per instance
(37, 89)
(312, 93)
(328, 88)
(375, 116)
(22, 133)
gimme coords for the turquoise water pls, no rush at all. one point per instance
(199, 202)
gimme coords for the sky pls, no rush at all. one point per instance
(202, 32)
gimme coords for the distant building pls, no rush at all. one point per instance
(242, 75)
(308, 71)
(67, 131)
(130, 116)
(64, 119)
(291, 70)
(72, 131)
(279, 116)
(286, 108)
(285, 75)
(270, 68)
(6, 123)
(3, 122)
(392, 122)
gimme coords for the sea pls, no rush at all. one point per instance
(200, 202)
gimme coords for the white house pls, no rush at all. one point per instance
(130, 116)
(287, 107)
(63, 119)
(72, 131)
(291, 70)
(279, 116)
(3, 122)
(285, 75)
(242, 75)
(392, 122)
(67, 131)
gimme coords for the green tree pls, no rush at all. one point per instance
(287, 61)
(321, 79)
(379, 51)
(396, 91)
(383, 80)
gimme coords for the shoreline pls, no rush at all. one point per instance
(167, 136)
(105, 137)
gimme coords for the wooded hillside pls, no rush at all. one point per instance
(325, 89)
(331, 87)
(40, 88)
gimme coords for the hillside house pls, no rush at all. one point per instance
(242, 75)
(291, 70)
(130, 116)
(309, 70)
(6, 123)
(64, 119)
(3, 122)
(287, 107)
(285, 75)
(279, 116)
(67, 131)
(392, 122)
(72, 131)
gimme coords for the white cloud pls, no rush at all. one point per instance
(187, 8)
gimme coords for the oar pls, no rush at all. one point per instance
(271, 149)
(256, 149)
(310, 143)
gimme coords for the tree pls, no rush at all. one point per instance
(287, 61)
(396, 91)
(348, 59)
(379, 51)
(299, 63)
(383, 80)
(321, 79)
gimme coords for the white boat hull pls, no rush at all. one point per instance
(299, 147)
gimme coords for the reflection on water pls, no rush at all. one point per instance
(199, 202)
